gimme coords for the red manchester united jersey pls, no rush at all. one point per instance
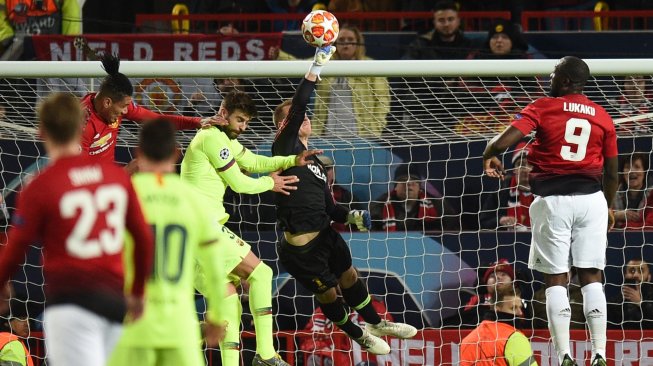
(573, 136)
(99, 138)
(79, 208)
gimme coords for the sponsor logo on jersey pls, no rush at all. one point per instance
(224, 154)
(518, 116)
(101, 141)
(317, 171)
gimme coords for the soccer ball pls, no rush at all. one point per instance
(320, 28)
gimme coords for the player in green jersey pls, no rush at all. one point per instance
(213, 161)
(169, 332)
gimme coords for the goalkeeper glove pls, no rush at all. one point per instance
(322, 56)
(361, 218)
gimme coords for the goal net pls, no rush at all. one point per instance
(382, 125)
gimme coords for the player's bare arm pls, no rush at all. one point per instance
(610, 184)
(491, 164)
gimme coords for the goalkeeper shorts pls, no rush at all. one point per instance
(318, 264)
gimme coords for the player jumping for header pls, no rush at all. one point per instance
(311, 251)
(574, 158)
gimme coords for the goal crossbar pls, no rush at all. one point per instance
(443, 68)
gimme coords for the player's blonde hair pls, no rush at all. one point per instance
(279, 114)
(60, 117)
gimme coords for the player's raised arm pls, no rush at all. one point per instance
(288, 128)
(140, 114)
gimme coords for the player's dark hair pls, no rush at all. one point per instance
(237, 99)
(445, 5)
(115, 85)
(157, 140)
(576, 70)
(60, 117)
(279, 115)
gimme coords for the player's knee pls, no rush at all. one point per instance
(348, 278)
(328, 296)
(262, 272)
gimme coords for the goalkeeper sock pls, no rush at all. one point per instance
(595, 309)
(336, 312)
(230, 346)
(558, 311)
(359, 298)
(260, 304)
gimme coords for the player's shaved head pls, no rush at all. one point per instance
(157, 140)
(569, 76)
(60, 118)
(575, 69)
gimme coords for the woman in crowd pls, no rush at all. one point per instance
(348, 106)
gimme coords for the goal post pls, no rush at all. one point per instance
(436, 117)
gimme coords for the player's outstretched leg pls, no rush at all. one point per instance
(336, 312)
(357, 296)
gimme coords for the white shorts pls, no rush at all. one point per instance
(75, 336)
(568, 231)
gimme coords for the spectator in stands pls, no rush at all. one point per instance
(407, 207)
(446, 41)
(508, 208)
(538, 305)
(504, 41)
(497, 340)
(348, 106)
(630, 204)
(289, 7)
(13, 332)
(633, 307)
(20, 18)
(325, 349)
(633, 101)
(498, 278)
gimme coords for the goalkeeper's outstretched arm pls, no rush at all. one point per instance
(288, 129)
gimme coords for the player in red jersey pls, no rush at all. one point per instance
(574, 179)
(106, 109)
(79, 208)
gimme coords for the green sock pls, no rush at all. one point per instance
(260, 304)
(230, 346)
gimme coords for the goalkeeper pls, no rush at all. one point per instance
(311, 251)
(213, 161)
(169, 332)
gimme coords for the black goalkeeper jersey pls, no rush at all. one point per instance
(311, 207)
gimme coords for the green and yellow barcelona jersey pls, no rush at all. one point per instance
(213, 162)
(185, 235)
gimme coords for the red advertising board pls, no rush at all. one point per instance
(441, 347)
(160, 47)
